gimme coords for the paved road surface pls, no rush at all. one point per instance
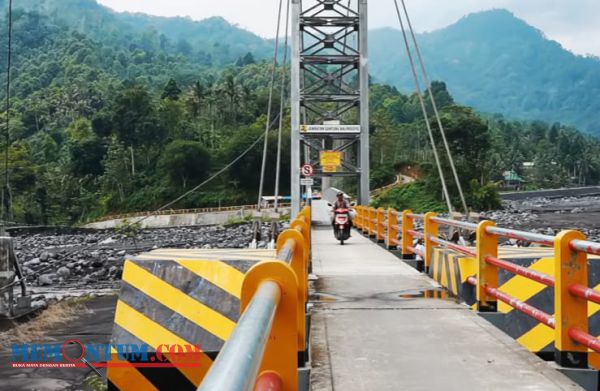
(371, 330)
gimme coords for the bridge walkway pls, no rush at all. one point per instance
(372, 330)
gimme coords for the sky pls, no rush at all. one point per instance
(573, 23)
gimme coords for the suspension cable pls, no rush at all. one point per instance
(6, 206)
(281, 103)
(424, 109)
(271, 87)
(436, 111)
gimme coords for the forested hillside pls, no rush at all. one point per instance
(210, 42)
(102, 123)
(100, 127)
(499, 64)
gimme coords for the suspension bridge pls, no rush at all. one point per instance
(381, 313)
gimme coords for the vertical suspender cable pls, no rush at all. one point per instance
(281, 103)
(268, 124)
(424, 109)
(6, 201)
(436, 111)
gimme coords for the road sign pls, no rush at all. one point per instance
(307, 170)
(327, 129)
(307, 182)
(331, 160)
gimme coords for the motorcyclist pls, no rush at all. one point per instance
(341, 203)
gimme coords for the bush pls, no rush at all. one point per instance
(484, 197)
(413, 196)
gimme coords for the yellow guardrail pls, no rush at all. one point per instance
(262, 351)
(573, 344)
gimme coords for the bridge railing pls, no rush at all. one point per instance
(262, 351)
(170, 212)
(570, 280)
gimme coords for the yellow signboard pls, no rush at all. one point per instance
(331, 160)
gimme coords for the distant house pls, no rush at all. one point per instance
(511, 180)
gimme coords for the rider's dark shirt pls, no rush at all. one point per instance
(340, 204)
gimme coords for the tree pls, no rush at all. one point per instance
(184, 162)
(469, 139)
(116, 180)
(85, 149)
(171, 91)
(134, 118)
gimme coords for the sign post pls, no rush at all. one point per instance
(307, 171)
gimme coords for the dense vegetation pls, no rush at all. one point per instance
(104, 127)
(519, 72)
(483, 149)
(114, 122)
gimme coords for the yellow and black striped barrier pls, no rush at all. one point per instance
(177, 299)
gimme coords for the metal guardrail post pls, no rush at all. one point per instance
(407, 239)
(487, 274)
(372, 222)
(293, 242)
(392, 229)
(380, 225)
(264, 339)
(431, 230)
(366, 224)
(263, 348)
(358, 219)
(302, 226)
(570, 311)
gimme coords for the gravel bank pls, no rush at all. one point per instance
(544, 215)
(84, 263)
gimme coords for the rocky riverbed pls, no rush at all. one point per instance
(547, 216)
(87, 262)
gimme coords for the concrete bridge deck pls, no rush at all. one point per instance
(372, 330)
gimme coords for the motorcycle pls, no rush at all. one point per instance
(341, 224)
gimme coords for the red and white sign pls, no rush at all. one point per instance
(307, 170)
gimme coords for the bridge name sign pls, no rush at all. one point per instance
(328, 129)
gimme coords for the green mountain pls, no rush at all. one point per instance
(212, 41)
(115, 113)
(497, 63)
(491, 60)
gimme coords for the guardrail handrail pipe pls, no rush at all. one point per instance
(546, 240)
(455, 223)
(237, 366)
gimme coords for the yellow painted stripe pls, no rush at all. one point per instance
(176, 300)
(155, 335)
(219, 257)
(434, 267)
(444, 269)
(129, 378)
(523, 288)
(451, 261)
(593, 307)
(221, 274)
(541, 335)
(537, 338)
(467, 268)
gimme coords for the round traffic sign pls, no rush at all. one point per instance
(307, 170)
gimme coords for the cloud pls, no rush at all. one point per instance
(573, 23)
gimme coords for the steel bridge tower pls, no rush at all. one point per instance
(330, 92)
